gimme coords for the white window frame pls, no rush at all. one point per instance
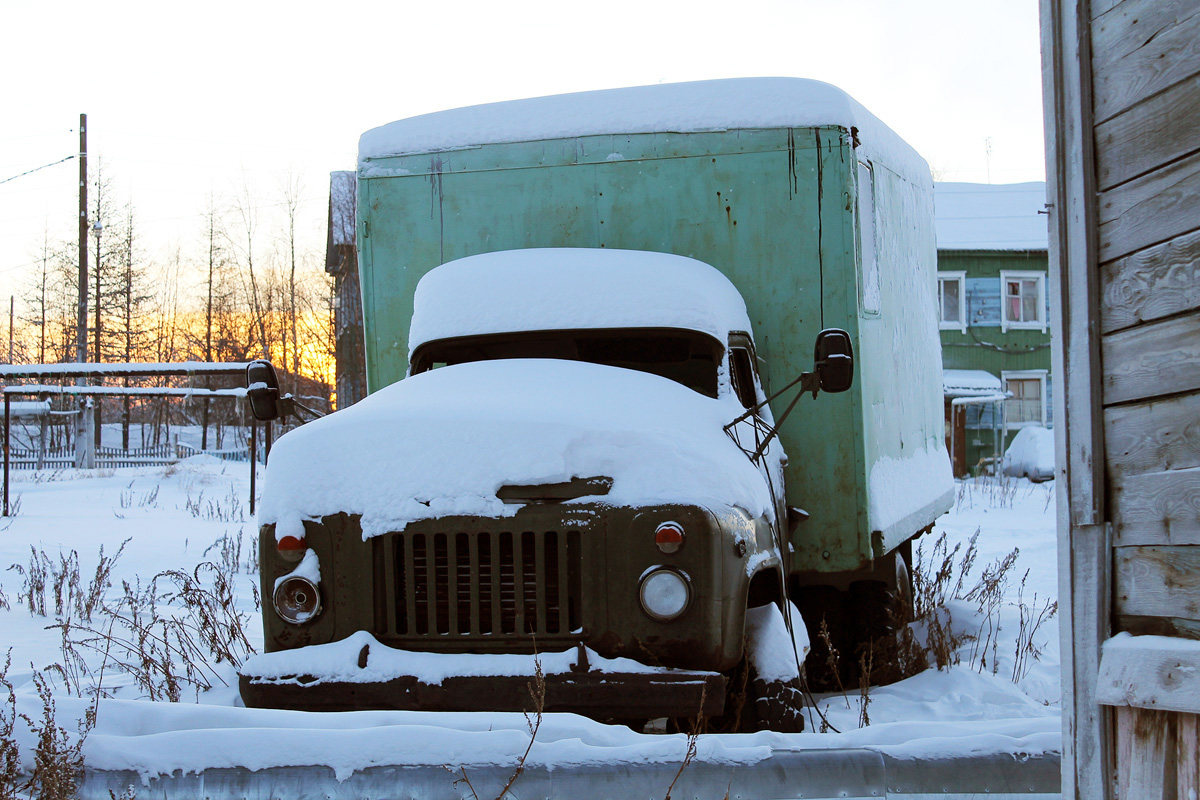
(1038, 324)
(959, 277)
(1025, 375)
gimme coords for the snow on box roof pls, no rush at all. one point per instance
(573, 288)
(984, 216)
(734, 103)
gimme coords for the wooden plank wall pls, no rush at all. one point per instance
(1145, 59)
(1158, 754)
(1146, 80)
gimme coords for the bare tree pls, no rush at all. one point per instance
(242, 242)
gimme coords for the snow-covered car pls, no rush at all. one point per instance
(1031, 455)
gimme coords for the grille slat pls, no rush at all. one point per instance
(542, 589)
(478, 584)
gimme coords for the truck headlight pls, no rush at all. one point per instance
(664, 593)
(297, 600)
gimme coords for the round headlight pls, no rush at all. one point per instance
(297, 600)
(664, 593)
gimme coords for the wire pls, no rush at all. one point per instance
(35, 169)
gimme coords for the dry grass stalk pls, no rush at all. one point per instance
(10, 755)
(693, 742)
(168, 649)
(58, 756)
(866, 659)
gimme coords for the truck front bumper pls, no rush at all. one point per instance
(361, 673)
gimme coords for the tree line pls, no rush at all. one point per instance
(245, 286)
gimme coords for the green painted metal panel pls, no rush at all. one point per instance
(772, 209)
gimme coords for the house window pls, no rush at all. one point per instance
(1027, 406)
(952, 301)
(1022, 300)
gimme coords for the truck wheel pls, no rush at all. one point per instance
(754, 704)
(825, 603)
(778, 705)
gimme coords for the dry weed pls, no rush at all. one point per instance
(169, 636)
(10, 756)
(58, 757)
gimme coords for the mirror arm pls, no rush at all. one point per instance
(297, 406)
(808, 382)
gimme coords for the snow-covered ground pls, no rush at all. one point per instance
(174, 518)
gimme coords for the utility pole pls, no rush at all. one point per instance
(85, 453)
(97, 228)
(81, 319)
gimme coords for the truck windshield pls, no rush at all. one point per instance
(687, 357)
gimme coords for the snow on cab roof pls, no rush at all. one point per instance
(734, 103)
(985, 216)
(564, 288)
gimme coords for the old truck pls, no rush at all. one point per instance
(576, 311)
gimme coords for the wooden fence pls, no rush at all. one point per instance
(157, 455)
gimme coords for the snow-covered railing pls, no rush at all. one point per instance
(122, 369)
(122, 391)
(84, 371)
(107, 457)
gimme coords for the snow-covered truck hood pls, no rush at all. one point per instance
(443, 442)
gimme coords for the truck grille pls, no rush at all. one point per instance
(486, 583)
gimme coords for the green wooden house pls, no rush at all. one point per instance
(993, 314)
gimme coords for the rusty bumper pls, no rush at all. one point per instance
(600, 695)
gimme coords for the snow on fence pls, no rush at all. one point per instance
(157, 455)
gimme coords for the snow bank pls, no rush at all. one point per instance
(574, 288)
(1031, 454)
(674, 107)
(956, 695)
(937, 713)
(443, 442)
(982, 216)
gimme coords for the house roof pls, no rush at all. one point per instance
(986, 216)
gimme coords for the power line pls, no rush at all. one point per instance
(35, 169)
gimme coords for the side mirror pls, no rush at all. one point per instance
(834, 357)
(262, 390)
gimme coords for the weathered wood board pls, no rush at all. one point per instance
(1150, 209)
(1157, 581)
(1156, 436)
(1140, 48)
(1148, 135)
(1152, 360)
(1157, 754)
(1151, 284)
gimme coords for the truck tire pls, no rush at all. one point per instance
(778, 705)
(828, 604)
(754, 704)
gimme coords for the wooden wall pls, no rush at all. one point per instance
(1122, 88)
(1146, 76)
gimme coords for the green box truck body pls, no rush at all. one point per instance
(817, 213)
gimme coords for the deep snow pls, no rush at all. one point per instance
(172, 517)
